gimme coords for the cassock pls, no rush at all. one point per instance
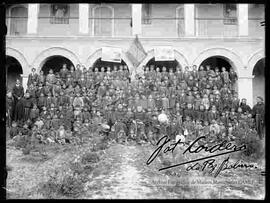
(258, 113)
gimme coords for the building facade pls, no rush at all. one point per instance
(41, 35)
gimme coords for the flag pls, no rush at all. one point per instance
(136, 52)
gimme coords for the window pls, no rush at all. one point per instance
(180, 21)
(230, 14)
(146, 13)
(59, 14)
(18, 20)
(103, 21)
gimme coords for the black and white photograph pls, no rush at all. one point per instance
(135, 101)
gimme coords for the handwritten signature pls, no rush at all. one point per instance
(224, 147)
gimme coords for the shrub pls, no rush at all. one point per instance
(76, 167)
(90, 157)
(63, 182)
(72, 186)
(26, 150)
(253, 144)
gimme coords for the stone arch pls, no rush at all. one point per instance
(182, 60)
(234, 60)
(98, 53)
(53, 51)
(20, 57)
(253, 59)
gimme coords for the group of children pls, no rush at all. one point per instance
(69, 106)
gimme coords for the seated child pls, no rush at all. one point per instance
(68, 137)
(55, 122)
(77, 136)
(14, 130)
(34, 113)
(39, 123)
(51, 138)
(61, 134)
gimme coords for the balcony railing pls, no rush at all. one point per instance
(255, 28)
(227, 27)
(164, 27)
(110, 26)
(57, 20)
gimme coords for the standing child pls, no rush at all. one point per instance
(205, 101)
(34, 113)
(55, 122)
(14, 130)
(225, 76)
(39, 123)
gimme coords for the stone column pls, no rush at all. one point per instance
(83, 18)
(189, 19)
(243, 19)
(24, 81)
(32, 23)
(136, 19)
(245, 89)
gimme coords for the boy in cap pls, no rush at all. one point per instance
(186, 74)
(34, 113)
(48, 100)
(190, 98)
(55, 122)
(78, 101)
(33, 76)
(189, 112)
(64, 72)
(41, 78)
(189, 128)
(77, 73)
(213, 114)
(225, 76)
(69, 118)
(27, 104)
(48, 122)
(165, 102)
(56, 87)
(245, 107)
(50, 78)
(41, 101)
(205, 101)
(9, 108)
(233, 78)
(17, 92)
(86, 114)
(201, 73)
(82, 81)
(209, 71)
(14, 130)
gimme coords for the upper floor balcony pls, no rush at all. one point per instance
(115, 21)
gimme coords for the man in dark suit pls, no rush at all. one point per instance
(258, 113)
(32, 77)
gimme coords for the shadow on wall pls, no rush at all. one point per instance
(259, 80)
(11, 80)
(99, 63)
(14, 71)
(258, 87)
